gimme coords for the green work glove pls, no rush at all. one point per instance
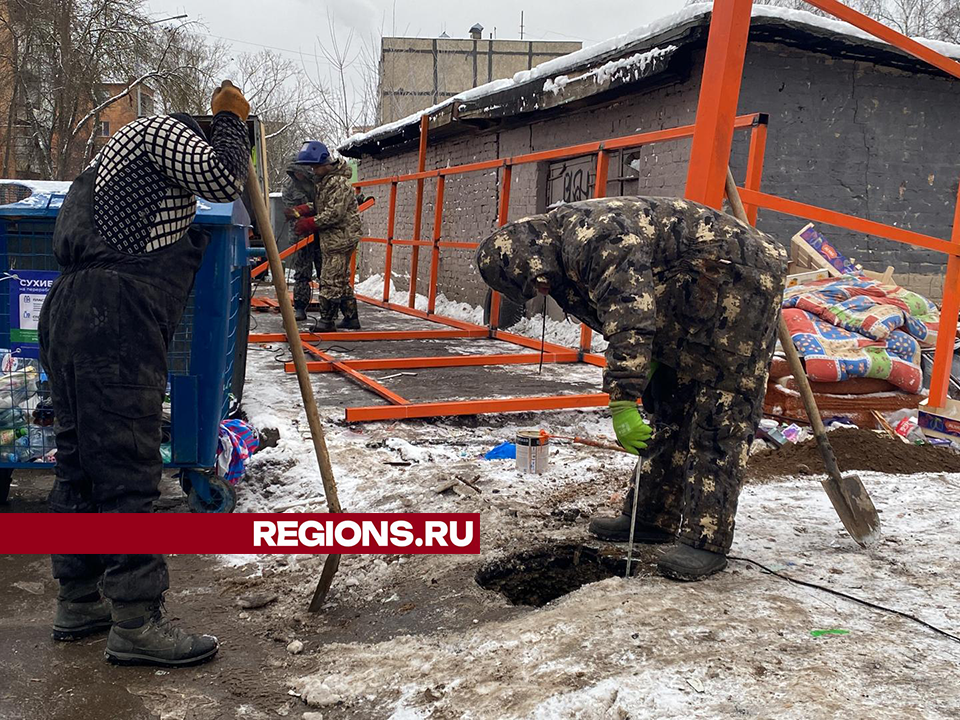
(631, 429)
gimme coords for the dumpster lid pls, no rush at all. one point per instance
(43, 198)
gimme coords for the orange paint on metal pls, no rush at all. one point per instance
(717, 106)
(435, 252)
(418, 211)
(758, 145)
(368, 382)
(503, 213)
(474, 407)
(391, 226)
(887, 34)
(850, 222)
(443, 361)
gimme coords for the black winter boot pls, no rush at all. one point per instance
(351, 315)
(300, 314)
(682, 562)
(617, 529)
(142, 635)
(76, 619)
(328, 313)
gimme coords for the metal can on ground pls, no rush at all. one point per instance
(533, 451)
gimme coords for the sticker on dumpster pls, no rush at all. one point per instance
(28, 290)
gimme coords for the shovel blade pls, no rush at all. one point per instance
(330, 566)
(856, 510)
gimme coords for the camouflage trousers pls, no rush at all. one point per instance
(692, 482)
(304, 261)
(335, 278)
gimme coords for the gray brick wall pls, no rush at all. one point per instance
(846, 135)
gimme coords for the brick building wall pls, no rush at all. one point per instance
(844, 134)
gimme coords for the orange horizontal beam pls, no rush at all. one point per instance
(887, 34)
(569, 151)
(474, 407)
(263, 267)
(374, 335)
(364, 380)
(441, 361)
(850, 222)
(413, 312)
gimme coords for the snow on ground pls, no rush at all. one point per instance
(739, 644)
(560, 332)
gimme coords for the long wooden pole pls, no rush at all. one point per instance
(303, 375)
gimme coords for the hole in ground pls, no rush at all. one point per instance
(538, 576)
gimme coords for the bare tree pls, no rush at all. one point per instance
(345, 77)
(285, 102)
(62, 54)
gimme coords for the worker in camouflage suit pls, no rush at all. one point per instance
(337, 224)
(299, 193)
(688, 299)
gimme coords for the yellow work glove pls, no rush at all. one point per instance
(228, 98)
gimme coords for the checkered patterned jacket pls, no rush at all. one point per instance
(151, 171)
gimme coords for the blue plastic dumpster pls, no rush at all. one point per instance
(206, 358)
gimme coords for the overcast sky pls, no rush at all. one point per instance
(297, 25)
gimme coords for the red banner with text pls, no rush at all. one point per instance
(242, 533)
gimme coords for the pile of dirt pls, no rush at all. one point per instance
(855, 450)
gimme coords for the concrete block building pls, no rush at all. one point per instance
(854, 126)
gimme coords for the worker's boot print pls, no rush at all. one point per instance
(143, 635)
(617, 529)
(328, 314)
(351, 314)
(77, 618)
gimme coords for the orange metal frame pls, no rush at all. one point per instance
(399, 407)
(713, 137)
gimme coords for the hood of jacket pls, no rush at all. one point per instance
(521, 255)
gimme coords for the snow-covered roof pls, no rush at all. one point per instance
(611, 50)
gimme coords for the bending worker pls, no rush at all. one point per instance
(129, 254)
(298, 196)
(689, 296)
(335, 220)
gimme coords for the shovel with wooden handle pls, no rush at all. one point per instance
(332, 562)
(849, 497)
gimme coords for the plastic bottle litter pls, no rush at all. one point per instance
(12, 418)
(166, 453)
(37, 443)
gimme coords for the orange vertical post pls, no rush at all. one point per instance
(506, 179)
(717, 106)
(758, 146)
(391, 227)
(947, 332)
(418, 209)
(435, 251)
(599, 191)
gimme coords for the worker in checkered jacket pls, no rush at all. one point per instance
(334, 219)
(688, 300)
(129, 253)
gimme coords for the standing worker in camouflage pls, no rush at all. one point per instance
(688, 299)
(129, 253)
(298, 196)
(336, 223)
